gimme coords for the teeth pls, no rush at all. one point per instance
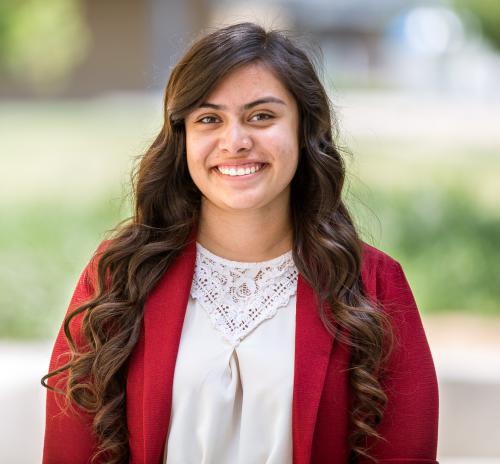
(239, 171)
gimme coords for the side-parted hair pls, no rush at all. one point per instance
(327, 249)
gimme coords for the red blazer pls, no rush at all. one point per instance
(321, 391)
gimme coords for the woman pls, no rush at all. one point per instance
(238, 316)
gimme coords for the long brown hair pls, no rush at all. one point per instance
(327, 249)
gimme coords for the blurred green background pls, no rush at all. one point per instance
(428, 198)
(66, 171)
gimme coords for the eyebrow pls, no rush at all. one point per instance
(246, 106)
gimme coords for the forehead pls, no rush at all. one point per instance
(247, 82)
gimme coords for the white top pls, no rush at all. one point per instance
(233, 379)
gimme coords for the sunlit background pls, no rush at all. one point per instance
(416, 89)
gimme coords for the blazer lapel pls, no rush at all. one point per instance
(313, 345)
(163, 319)
(150, 380)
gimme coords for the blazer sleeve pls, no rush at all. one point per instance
(68, 431)
(410, 421)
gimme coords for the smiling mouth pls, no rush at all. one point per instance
(237, 172)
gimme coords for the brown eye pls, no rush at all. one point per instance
(207, 120)
(261, 116)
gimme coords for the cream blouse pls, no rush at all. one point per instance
(233, 380)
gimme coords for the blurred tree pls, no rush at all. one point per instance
(42, 42)
(487, 13)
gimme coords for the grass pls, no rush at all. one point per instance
(432, 206)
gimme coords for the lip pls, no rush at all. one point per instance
(239, 163)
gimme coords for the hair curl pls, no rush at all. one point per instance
(327, 249)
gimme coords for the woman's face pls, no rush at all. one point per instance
(249, 122)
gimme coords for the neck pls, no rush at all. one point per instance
(249, 236)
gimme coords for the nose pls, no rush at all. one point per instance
(234, 138)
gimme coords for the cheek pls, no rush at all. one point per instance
(197, 150)
(284, 144)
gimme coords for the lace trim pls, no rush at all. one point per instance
(238, 296)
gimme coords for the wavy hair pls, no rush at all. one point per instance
(327, 249)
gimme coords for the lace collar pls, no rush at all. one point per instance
(238, 296)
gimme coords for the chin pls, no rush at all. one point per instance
(241, 206)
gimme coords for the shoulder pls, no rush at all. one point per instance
(89, 274)
(385, 283)
(380, 272)
(86, 286)
(374, 259)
